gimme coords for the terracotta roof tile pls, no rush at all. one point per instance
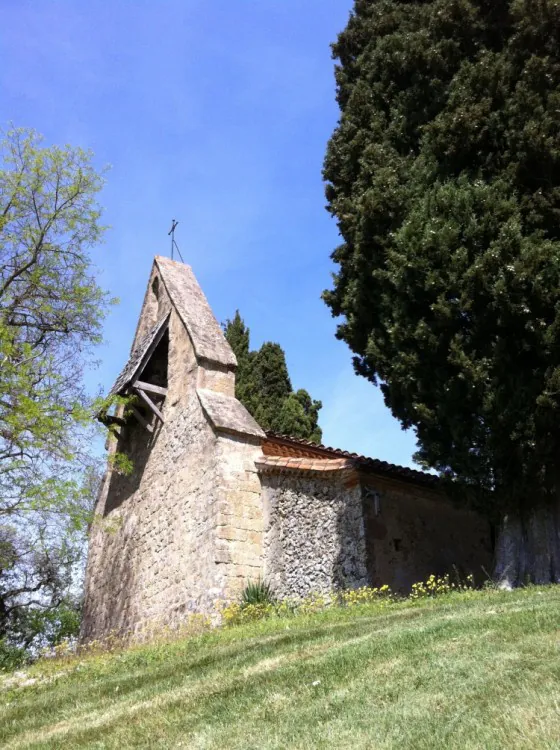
(288, 449)
(275, 463)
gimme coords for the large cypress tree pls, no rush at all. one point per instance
(269, 374)
(237, 334)
(263, 385)
(444, 176)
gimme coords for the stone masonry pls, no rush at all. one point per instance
(212, 502)
(180, 531)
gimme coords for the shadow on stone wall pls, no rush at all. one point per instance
(411, 534)
(136, 443)
(350, 568)
(375, 532)
(110, 593)
(110, 610)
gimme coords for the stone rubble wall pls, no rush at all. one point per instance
(314, 534)
(324, 533)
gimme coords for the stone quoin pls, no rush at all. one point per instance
(213, 501)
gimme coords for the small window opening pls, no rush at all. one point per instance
(397, 544)
(155, 287)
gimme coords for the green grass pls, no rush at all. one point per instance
(474, 670)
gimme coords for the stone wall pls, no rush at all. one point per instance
(184, 529)
(314, 534)
(152, 549)
(414, 531)
(323, 532)
(239, 519)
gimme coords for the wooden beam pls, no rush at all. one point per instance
(156, 389)
(108, 419)
(141, 419)
(149, 403)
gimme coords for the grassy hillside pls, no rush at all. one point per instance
(474, 670)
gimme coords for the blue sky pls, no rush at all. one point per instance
(216, 114)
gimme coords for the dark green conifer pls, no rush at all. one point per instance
(237, 334)
(444, 176)
(299, 417)
(263, 385)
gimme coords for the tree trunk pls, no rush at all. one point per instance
(528, 548)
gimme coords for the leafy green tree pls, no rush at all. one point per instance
(38, 607)
(263, 385)
(444, 176)
(51, 310)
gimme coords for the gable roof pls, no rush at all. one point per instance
(140, 356)
(284, 452)
(192, 307)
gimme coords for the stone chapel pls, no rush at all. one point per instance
(213, 501)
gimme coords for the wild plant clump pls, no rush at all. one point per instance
(366, 595)
(259, 602)
(257, 592)
(438, 585)
(258, 606)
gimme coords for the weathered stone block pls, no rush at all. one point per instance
(231, 533)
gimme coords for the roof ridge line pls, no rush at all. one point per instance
(193, 308)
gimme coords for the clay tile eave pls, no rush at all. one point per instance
(288, 464)
(283, 445)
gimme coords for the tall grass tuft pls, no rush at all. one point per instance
(257, 592)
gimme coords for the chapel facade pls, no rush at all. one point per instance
(213, 501)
